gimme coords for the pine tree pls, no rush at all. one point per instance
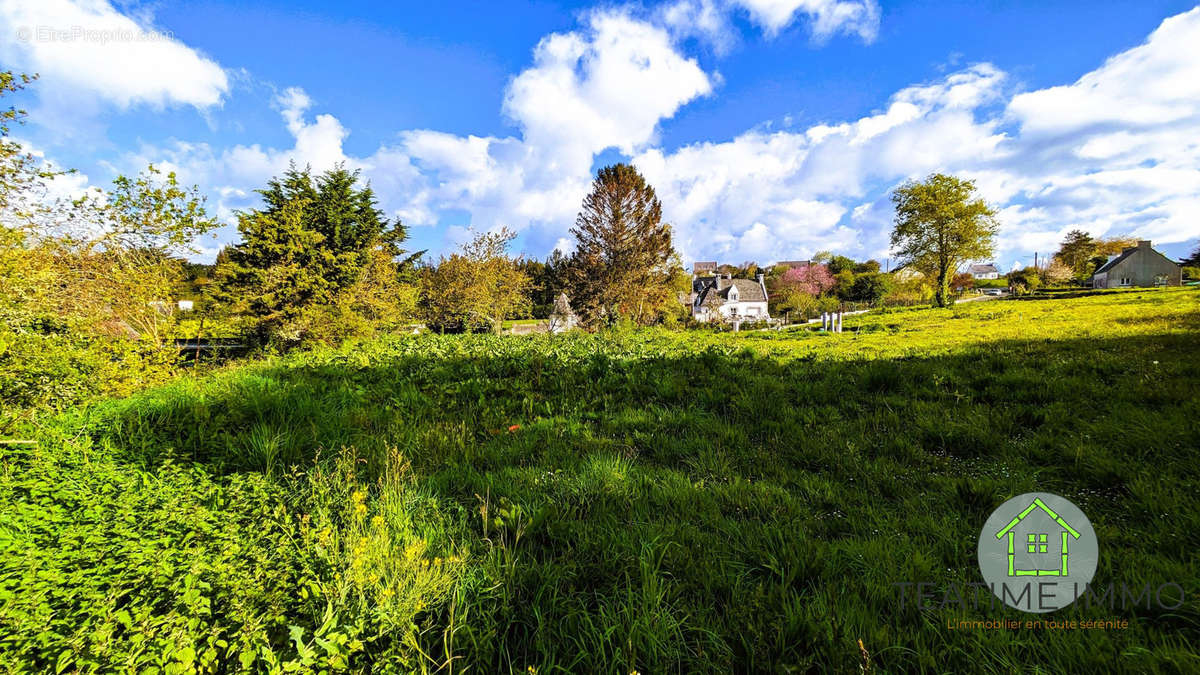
(621, 264)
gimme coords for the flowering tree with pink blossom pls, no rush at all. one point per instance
(811, 279)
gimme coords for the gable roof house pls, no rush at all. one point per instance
(1138, 265)
(723, 298)
(987, 271)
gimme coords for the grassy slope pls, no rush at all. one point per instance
(660, 502)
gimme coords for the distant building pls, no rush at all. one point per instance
(793, 264)
(699, 268)
(987, 271)
(723, 298)
(563, 318)
(186, 305)
(907, 273)
(1138, 265)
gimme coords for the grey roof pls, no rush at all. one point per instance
(983, 269)
(562, 306)
(717, 293)
(1112, 262)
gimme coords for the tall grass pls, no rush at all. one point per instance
(650, 501)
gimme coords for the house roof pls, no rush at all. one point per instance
(1115, 260)
(1125, 254)
(562, 306)
(717, 293)
(983, 269)
(698, 267)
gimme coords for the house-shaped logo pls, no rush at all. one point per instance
(1051, 548)
(1036, 550)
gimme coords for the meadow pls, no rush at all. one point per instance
(633, 501)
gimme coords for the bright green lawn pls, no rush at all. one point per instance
(653, 501)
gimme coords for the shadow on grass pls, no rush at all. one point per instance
(728, 511)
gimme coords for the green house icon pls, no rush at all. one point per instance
(1036, 542)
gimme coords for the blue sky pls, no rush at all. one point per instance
(771, 128)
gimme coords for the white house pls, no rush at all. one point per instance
(723, 298)
(987, 271)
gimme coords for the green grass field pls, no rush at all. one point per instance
(650, 501)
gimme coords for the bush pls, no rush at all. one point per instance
(56, 369)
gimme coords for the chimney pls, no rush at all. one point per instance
(1143, 243)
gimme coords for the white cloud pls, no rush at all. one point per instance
(709, 19)
(829, 17)
(88, 47)
(607, 85)
(1118, 151)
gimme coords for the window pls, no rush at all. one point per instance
(1037, 543)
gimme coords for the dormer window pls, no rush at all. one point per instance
(733, 293)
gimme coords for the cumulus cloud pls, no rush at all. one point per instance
(607, 85)
(88, 47)
(1117, 151)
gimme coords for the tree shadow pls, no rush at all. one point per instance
(774, 500)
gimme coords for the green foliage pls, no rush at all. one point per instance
(52, 368)
(940, 224)
(178, 571)
(546, 280)
(1077, 251)
(633, 500)
(301, 264)
(870, 288)
(477, 288)
(1024, 281)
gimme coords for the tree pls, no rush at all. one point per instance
(868, 267)
(1076, 252)
(1024, 280)
(940, 224)
(811, 279)
(840, 263)
(547, 281)
(306, 252)
(1056, 273)
(1194, 259)
(623, 252)
(1114, 245)
(963, 281)
(797, 289)
(870, 288)
(477, 287)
